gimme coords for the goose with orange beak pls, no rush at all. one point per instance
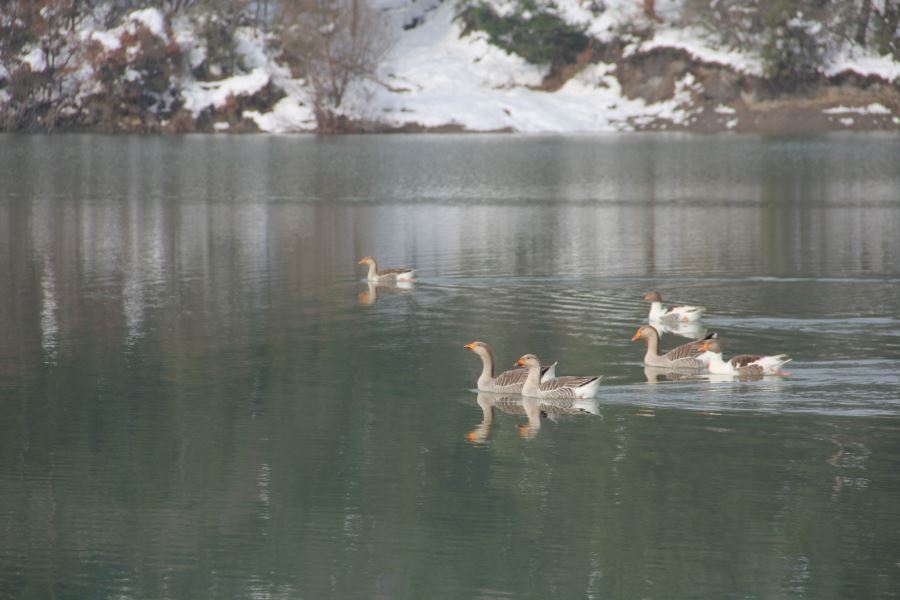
(386, 275)
(742, 364)
(559, 387)
(682, 357)
(508, 382)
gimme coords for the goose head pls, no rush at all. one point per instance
(652, 297)
(645, 332)
(366, 260)
(711, 345)
(529, 361)
(479, 348)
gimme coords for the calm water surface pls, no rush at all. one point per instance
(202, 398)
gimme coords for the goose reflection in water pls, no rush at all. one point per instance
(773, 382)
(369, 295)
(693, 330)
(487, 401)
(552, 409)
(534, 409)
(653, 374)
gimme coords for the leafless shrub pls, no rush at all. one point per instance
(334, 45)
(38, 42)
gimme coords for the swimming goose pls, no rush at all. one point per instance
(506, 382)
(683, 314)
(682, 357)
(743, 364)
(387, 275)
(559, 387)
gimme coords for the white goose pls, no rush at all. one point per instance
(743, 364)
(508, 382)
(386, 275)
(559, 387)
(683, 314)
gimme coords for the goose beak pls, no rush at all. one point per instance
(636, 336)
(647, 296)
(520, 363)
(362, 261)
(703, 347)
(470, 346)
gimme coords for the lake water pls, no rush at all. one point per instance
(202, 398)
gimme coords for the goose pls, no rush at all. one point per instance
(682, 357)
(506, 382)
(743, 364)
(387, 275)
(683, 314)
(559, 387)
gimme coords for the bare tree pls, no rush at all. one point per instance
(37, 88)
(334, 45)
(862, 23)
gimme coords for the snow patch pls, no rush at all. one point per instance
(863, 61)
(697, 43)
(108, 39)
(34, 58)
(873, 109)
(150, 18)
(285, 117)
(200, 95)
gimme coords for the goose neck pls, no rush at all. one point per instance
(533, 381)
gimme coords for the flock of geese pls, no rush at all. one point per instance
(532, 380)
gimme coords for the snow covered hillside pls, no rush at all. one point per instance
(443, 73)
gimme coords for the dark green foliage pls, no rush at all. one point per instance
(541, 39)
(220, 46)
(885, 34)
(794, 36)
(791, 51)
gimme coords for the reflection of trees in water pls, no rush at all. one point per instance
(145, 437)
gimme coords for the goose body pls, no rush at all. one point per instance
(743, 364)
(508, 382)
(386, 275)
(682, 357)
(556, 388)
(673, 314)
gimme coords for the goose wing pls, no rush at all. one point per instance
(689, 350)
(743, 360)
(751, 371)
(564, 387)
(394, 272)
(511, 377)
